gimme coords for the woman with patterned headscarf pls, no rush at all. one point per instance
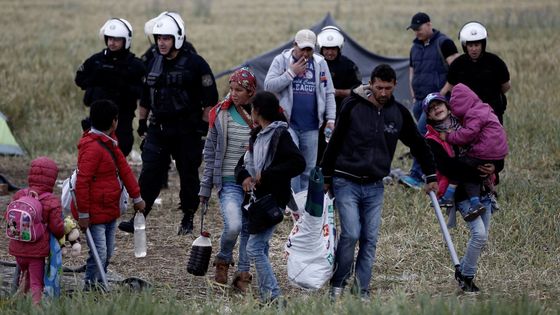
(227, 140)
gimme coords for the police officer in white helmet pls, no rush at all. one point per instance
(114, 74)
(180, 90)
(344, 72)
(483, 72)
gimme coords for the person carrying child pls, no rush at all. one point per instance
(271, 161)
(98, 188)
(452, 168)
(482, 138)
(30, 256)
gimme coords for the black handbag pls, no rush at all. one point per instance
(263, 213)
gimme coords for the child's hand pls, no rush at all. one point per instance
(83, 223)
(140, 206)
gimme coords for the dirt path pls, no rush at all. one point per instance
(166, 262)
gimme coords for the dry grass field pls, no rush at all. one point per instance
(44, 42)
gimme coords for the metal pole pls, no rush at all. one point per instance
(100, 267)
(444, 230)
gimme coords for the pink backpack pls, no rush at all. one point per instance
(24, 218)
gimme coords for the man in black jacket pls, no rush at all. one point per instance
(357, 158)
(114, 74)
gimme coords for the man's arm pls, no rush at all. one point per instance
(278, 78)
(450, 58)
(410, 77)
(446, 88)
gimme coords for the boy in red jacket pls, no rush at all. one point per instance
(98, 189)
(30, 256)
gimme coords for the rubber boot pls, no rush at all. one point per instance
(242, 281)
(221, 272)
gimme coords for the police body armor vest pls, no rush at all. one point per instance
(168, 89)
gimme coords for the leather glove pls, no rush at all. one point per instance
(142, 127)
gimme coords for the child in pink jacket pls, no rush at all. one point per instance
(481, 136)
(30, 256)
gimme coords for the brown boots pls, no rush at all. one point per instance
(242, 281)
(221, 274)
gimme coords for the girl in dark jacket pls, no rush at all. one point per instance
(268, 166)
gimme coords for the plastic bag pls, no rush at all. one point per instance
(311, 247)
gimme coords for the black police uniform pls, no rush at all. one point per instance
(345, 75)
(119, 77)
(176, 92)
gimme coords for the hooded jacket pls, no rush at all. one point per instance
(279, 81)
(481, 129)
(98, 190)
(42, 177)
(365, 138)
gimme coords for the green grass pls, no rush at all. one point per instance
(126, 303)
(44, 42)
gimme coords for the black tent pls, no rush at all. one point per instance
(364, 59)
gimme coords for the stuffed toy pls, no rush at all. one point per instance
(70, 242)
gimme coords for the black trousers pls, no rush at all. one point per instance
(184, 146)
(124, 133)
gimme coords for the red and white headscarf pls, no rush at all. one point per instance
(244, 77)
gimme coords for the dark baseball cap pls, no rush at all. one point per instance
(417, 20)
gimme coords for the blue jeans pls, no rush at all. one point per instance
(479, 235)
(235, 224)
(104, 239)
(420, 116)
(257, 249)
(359, 208)
(307, 142)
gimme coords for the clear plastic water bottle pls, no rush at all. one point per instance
(139, 235)
(200, 255)
(328, 134)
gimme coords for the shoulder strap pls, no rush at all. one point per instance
(111, 153)
(246, 117)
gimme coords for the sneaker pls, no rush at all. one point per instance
(469, 286)
(335, 293)
(446, 203)
(127, 226)
(474, 212)
(411, 182)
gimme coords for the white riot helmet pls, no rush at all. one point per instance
(473, 32)
(119, 28)
(149, 26)
(170, 23)
(330, 36)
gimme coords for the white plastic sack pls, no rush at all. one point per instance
(66, 196)
(68, 187)
(311, 247)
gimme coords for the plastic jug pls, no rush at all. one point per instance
(200, 255)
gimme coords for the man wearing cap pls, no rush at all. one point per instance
(430, 56)
(303, 83)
